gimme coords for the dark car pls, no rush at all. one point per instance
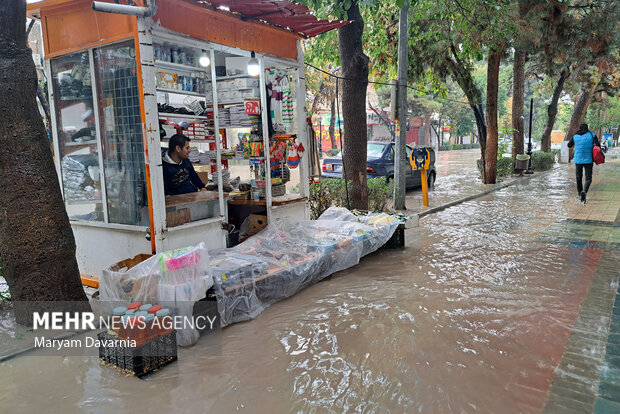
(380, 163)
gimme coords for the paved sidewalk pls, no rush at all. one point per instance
(588, 377)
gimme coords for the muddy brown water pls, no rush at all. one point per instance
(472, 316)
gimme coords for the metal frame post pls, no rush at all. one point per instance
(150, 131)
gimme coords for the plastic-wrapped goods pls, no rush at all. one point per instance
(286, 257)
(117, 286)
(184, 278)
(177, 279)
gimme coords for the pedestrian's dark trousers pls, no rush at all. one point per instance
(579, 172)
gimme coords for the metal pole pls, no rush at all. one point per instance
(529, 144)
(121, 9)
(400, 154)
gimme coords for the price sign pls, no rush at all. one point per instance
(252, 107)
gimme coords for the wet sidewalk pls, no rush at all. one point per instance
(457, 178)
(504, 303)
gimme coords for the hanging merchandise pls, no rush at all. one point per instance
(256, 149)
(278, 150)
(293, 158)
(280, 100)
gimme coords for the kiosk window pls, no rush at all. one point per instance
(77, 135)
(121, 134)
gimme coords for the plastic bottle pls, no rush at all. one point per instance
(133, 306)
(153, 309)
(117, 314)
(165, 321)
(151, 332)
(123, 327)
(139, 327)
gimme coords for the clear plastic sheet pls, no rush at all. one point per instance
(287, 256)
(175, 279)
(118, 286)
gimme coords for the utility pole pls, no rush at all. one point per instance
(401, 140)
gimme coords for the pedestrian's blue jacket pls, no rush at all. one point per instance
(179, 178)
(583, 141)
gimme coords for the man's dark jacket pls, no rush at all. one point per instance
(179, 178)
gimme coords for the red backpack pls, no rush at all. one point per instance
(597, 155)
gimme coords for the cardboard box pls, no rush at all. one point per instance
(245, 83)
(257, 223)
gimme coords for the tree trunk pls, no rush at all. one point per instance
(37, 248)
(427, 129)
(355, 72)
(467, 84)
(490, 153)
(332, 124)
(552, 112)
(580, 109)
(517, 102)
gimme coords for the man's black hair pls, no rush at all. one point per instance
(177, 140)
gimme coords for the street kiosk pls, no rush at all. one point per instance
(123, 78)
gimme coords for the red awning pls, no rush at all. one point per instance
(281, 13)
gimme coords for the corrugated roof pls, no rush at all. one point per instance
(282, 13)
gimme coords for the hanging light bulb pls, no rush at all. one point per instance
(253, 66)
(204, 59)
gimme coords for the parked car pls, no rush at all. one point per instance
(380, 163)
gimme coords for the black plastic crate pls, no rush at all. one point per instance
(398, 238)
(140, 360)
(207, 308)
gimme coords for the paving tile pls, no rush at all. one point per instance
(611, 375)
(560, 405)
(609, 391)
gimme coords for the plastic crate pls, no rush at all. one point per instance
(398, 238)
(140, 360)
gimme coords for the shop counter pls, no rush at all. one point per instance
(185, 208)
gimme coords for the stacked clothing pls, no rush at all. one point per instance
(224, 114)
(78, 184)
(238, 117)
(194, 154)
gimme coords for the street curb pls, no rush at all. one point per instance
(481, 194)
(18, 352)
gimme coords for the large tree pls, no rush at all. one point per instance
(355, 68)
(37, 248)
(447, 38)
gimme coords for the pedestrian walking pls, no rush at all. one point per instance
(583, 141)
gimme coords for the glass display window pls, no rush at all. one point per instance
(77, 135)
(118, 102)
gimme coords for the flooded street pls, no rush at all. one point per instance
(474, 315)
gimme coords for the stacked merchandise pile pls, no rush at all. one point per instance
(79, 186)
(238, 117)
(224, 117)
(286, 257)
(194, 155)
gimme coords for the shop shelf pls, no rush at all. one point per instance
(78, 202)
(235, 126)
(79, 144)
(178, 66)
(185, 116)
(222, 78)
(180, 92)
(232, 103)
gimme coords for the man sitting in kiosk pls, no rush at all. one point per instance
(179, 174)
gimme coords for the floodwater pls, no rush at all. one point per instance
(473, 316)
